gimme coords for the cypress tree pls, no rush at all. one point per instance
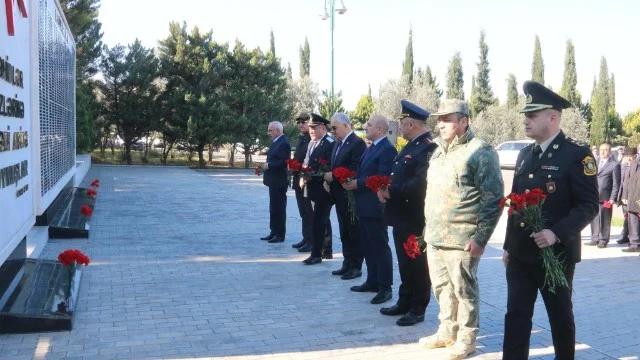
(570, 78)
(481, 87)
(537, 67)
(407, 65)
(512, 91)
(455, 78)
(305, 59)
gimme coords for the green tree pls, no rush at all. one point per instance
(324, 106)
(272, 42)
(302, 95)
(612, 92)
(407, 65)
(128, 92)
(305, 59)
(599, 126)
(82, 17)
(256, 94)
(512, 91)
(483, 93)
(289, 73)
(570, 78)
(364, 110)
(432, 81)
(537, 67)
(455, 78)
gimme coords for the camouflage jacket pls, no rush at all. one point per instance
(464, 188)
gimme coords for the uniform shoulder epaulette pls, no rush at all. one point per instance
(577, 142)
(330, 139)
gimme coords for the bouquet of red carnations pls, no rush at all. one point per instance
(343, 175)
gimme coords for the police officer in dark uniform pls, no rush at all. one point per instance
(404, 211)
(299, 154)
(566, 172)
(316, 194)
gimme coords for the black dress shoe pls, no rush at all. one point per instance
(300, 244)
(268, 237)
(352, 274)
(410, 319)
(631, 250)
(393, 311)
(343, 270)
(365, 287)
(591, 243)
(276, 239)
(382, 296)
(623, 241)
(306, 248)
(312, 260)
(327, 256)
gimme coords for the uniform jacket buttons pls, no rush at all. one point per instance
(521, 224)
(530, 176)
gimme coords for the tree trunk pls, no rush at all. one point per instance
(145, 154)
(247, 156)
(127, 152)
(232, 155)
(166, 149)
(201, 163)
(210, 153)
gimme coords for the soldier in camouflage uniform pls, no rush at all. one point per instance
(462, 208)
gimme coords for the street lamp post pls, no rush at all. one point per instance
(331, 15)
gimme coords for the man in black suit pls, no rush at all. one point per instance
(301, 151)
(320, 151)
(608, 184)
(376, 160)
(566, 172)
(275, 177)
(404, 210)
(628, 155)
(346, 153)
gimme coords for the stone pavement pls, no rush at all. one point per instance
(178, 272)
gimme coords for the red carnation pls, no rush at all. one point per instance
(412, 247)
(95, 183)
(86, 210)
(293, 165)
(258, 171)
(73, 257)
(322, 161)
(343, 175)
(377, 182)
(91, 193)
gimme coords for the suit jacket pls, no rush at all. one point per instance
(376, 160)
(349, 156)
(276, 175)
(409, 183)
(301, 151)
(609, 180)
(631, 191)
(625, 170)
(566, 172)
(315, 189)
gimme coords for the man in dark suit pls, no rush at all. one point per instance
(275, 177)
(320, 150)
(631, 198)
(608, 184)
(404, 210)
(301, 150)
(566, 172)
(346, 153)
(377, 160)
(628, 155)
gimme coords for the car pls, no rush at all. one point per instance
(508, 152)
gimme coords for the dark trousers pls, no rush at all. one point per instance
(524, 280)
(278, 211)
(601, 225)
(349, 232)
(415, 287)
(321, 231)
(377, 254)
(634, 229)
(304, 208)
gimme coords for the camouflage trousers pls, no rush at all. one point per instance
(455, 285)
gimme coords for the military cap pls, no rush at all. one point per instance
(303, 117)
(538, 97)
(318, 120)
(629, 151)
(452, 106)
(413, 111)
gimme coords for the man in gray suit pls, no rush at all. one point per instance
(608, 183)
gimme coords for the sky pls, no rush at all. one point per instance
(371, 37)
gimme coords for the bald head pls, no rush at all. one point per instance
(377, 127)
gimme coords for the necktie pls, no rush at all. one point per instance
(602, 162)
(335, 156)
(312, 145)
(368, 151)
(537, 151)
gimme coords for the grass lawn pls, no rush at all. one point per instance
(617, 221)
(153, 158)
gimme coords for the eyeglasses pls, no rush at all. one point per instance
(334, 128)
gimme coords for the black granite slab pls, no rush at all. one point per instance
(36, 296)
(64, 217)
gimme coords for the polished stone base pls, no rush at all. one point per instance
(35, 296)
(64, 217)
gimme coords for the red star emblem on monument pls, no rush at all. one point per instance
(8, 5)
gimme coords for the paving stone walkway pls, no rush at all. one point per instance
(178, 272)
